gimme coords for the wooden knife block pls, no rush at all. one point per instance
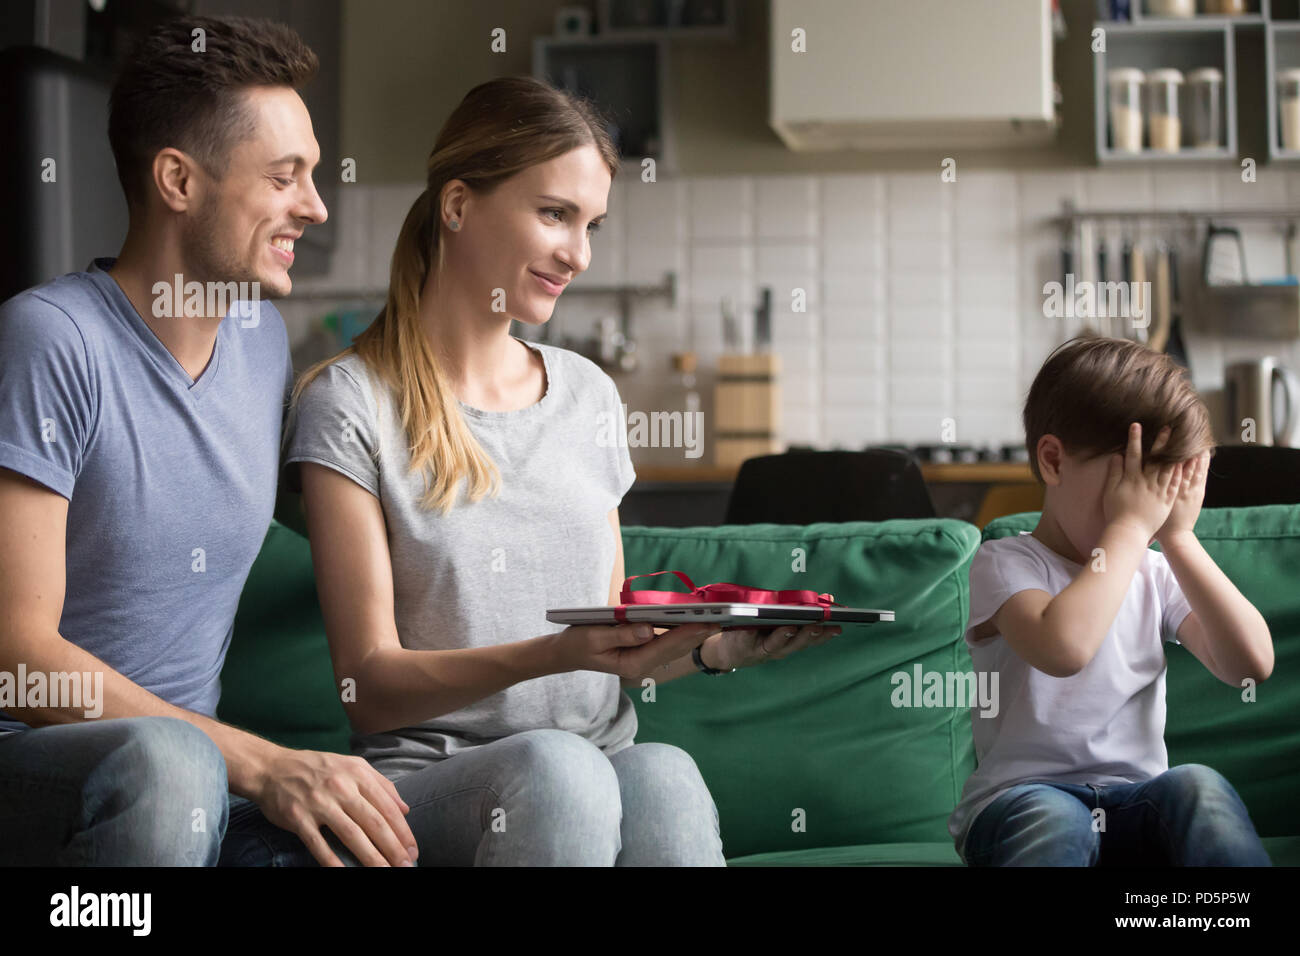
(746, 408)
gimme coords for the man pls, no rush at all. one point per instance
(139, 443)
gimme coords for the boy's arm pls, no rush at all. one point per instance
(1060, 635)
(1225, 631)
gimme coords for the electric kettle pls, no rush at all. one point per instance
(1265, 394)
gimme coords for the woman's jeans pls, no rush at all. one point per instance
(152, 791)
(1187, 816)
(538, 798)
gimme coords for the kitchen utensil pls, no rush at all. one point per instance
(1175, 347)
(763, 321)
(730, 331)
(1107, 320)
(1224, 256)
(1252, 391)
(1160, 306)
(1140, 296)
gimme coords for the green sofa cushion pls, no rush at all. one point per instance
(1256, 746)
(817, 732)
(277, 680)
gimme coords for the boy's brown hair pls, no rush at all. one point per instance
(167, 93)
(1091, 388)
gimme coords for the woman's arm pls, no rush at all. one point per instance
(395, 686)
(400, 687)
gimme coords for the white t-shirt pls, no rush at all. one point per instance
(1104, 725)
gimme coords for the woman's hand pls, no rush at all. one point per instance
(745, 647)
(628, 650)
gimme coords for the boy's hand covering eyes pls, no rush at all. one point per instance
(1139, 495)
(1187, 505)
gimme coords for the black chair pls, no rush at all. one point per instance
(1245, 475)
(803, 487)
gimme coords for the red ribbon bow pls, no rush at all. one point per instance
(714, 593)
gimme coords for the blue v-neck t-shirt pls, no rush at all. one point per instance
(170, 481)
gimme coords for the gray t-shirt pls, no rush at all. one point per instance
(486, 572)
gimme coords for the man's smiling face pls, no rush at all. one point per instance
(245, 225)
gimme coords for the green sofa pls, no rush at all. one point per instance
(809, 759)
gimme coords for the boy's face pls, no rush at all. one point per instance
(1075, 488)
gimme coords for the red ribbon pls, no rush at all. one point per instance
(724, 592)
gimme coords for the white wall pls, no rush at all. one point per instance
(924, 298)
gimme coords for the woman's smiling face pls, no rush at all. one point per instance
(532, 234)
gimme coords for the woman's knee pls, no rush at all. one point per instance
(564, 772)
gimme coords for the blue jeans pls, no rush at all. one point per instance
(538, 798)
(1187, 816)
(139, 791)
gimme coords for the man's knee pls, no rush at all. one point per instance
(169, 778)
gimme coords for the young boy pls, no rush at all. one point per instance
(1073, 769)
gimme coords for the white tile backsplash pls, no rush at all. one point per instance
(922, 300)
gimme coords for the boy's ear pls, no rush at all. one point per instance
(1050, 451)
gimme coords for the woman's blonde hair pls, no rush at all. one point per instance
(500, 128)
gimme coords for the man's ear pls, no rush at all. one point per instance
(175, 177)
(1050, 453)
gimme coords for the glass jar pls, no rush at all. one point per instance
(1125, 109)
(1164, 124)
(1288, 108)
(1204, 110)
(1171, 8)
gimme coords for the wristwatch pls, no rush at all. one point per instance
(705, 668)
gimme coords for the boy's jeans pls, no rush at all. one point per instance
(1187, 816)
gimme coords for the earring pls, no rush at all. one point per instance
(453, 225)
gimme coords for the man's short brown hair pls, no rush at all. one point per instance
(1092, 388)
(167, 94)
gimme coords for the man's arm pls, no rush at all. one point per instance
(32, 589)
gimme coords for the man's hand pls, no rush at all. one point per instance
(1187, 506)
(1137, 495)
(308, 789)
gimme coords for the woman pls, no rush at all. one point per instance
(456, 487)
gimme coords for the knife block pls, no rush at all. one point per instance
(746, 408)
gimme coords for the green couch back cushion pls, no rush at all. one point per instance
(817, 732)
(278, 680)
(1255, 745)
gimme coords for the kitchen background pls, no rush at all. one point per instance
(921, 250)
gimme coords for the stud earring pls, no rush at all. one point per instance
(453, 225)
